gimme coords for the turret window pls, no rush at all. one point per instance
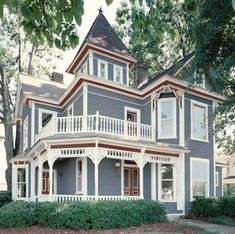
(118, 74)
(102, 69)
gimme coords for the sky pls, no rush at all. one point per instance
(91, 11)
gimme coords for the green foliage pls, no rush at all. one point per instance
(224, 220)
(213, 207)
(82, 215)
(205, 207)
(4, 198)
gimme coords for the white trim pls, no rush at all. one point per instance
(26, 133)
(208, 176)
(91, 71)
(160, 184)
(83, 176)
(122, 177)
(40, 112)
(100, 61)
(15, 182)
(182, 122)
(203, 105)
(216, 179)
(32, 123)
(115, 75)
(174, 117)
(72, 107)
(85, 100)
(127, 75)
(134, 110)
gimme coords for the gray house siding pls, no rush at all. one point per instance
(198, 149)
(112, 104)
(219, 188)
(26, 112)
(111, 63)
(90, 177)
(147, 181)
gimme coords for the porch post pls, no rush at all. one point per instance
(32, 187)
(153, 182)
(96, 162)
(51, 178)
(40, 167)
(141, 168)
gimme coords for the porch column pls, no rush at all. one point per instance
(40, 167)
(32, 187)
(153, 182)
(96, 162)
(141, 168)
(51, 178)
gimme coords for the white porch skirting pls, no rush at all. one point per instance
(74, 198)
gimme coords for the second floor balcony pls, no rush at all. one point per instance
(96, 124)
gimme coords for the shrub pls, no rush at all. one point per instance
(205, 207)
(82, 215)
(4, 198)
(224, 220)
(228, 206)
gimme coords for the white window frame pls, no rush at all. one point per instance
(160, 184)
(216, 178)
(115, 75)
(25, 134)
(106, 70)
(24, 166)
(203, 79)
(70, 107)
(85, 68)
(83, 177)
(160, 102)
(40, 112)
(191, 175)
(134, 110)
(206, 113)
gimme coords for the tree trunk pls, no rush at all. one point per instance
(9, 144)
(30, 67)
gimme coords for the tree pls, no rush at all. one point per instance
(17, 54)
(155, 31)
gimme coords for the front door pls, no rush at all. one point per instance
(46, 182)
(131, 181)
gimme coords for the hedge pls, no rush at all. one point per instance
(5, 198)
(213, 207)
(82, 215)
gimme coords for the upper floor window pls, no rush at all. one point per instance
(167, 181)
(216, 178)
(118, 74)
(70, 111)
(167, 118)
(199, 177)
(102, 69)
(199, 121)
(199, 79)
(84, 69)
(44, 118)
(25, 132)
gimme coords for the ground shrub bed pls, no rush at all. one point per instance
(82, 215)
(213, 207)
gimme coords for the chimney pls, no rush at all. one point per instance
(141, 73)
(57, 77)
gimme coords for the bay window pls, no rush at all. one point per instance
(22, 185)
(199, 177)
(167, 118)
(102, 69)
(199, 121)
(167, 182)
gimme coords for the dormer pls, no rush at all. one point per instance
(103, 54)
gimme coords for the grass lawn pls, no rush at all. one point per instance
(171, 227)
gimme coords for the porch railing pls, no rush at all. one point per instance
(98, 124)
(75, 198)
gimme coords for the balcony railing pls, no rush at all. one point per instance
(98, 124)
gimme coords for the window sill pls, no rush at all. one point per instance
(195, 139)
(165, 138)
(170, 200)
(79, 193)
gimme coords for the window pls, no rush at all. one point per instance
(132, 118)
(84, 68)
(70, 111)
(25, 132)
(199, 121)
(217, 178)
(118, 74)
(44, 118)
(102, 69)
(79, 176)
(167, 185)
(199, 79)
(21, 182)
(199, 178)
(167, 118)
